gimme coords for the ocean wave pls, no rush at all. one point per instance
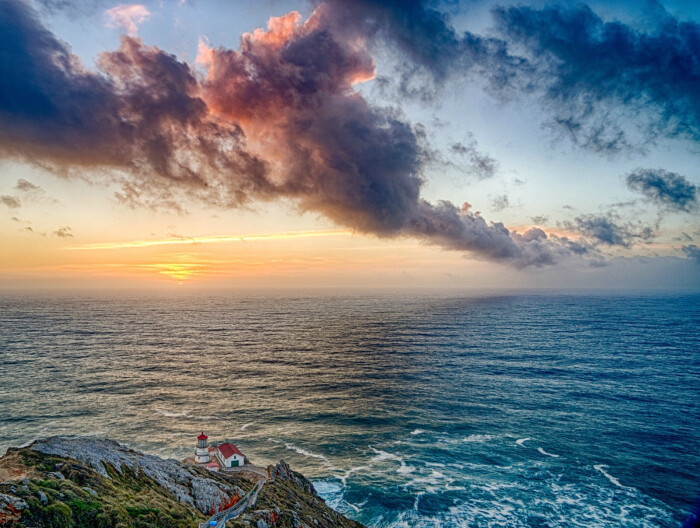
(546, 453)
(521, 441)
(344, 477)
(506, 504)
(601, 468)
(308, 453)
(245, 426)
(417, 431)
(382, 456)
(184, 414)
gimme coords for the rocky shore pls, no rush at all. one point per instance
(86, 482)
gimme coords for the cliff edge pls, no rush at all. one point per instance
(87, 482)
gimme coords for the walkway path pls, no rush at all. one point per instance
(218, 520)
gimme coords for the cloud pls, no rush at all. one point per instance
(140, 115)
(481, 165)
(500, 202)
(585, 67)
(607, 85)
(665, 189)
(540, 219)
(26, 186)
(71, 7)
(63, 232)
(128, 17)
(427, 46)
(692, 252)
(279, 118)
(606, 229)
(10, 201)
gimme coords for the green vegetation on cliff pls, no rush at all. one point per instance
(103, 485)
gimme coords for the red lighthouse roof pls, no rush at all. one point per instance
(202, 436)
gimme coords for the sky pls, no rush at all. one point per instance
(350, 143)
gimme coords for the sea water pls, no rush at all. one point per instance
(409, 409)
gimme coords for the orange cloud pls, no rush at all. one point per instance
(128, 17)
(279, 30)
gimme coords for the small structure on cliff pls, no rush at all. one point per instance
(201, 453)
(229, 455)
(217, 456)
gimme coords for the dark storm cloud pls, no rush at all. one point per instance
(593, 75)
(139, 114)
(606, 229)
(445, 225)
(292, 91)
(666, 189)
(279, 118)
(10, 201)
(427, 46)
(584, 65)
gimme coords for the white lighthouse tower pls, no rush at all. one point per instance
(201, 454)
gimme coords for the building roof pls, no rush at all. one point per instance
(212, 464)
(228, 450)
(202, 436)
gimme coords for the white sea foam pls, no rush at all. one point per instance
(521, 441)
(417, 431)
(245, 426)
(601, 469)
(545, 453)
(184, 414)
(382, 456)
(417, 500)
(307, 453)
(331, 491)
(334, 495)
(405, 469)
(344, 477)
(479, 438)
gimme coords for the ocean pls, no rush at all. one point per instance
(405, 409)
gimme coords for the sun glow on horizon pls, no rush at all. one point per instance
(211, 239)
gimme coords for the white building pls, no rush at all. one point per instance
(229, 455)
(201, 454)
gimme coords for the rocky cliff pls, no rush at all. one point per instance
(78, 482)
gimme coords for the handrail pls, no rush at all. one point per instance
(249, 499)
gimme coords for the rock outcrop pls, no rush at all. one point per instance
(282, 471)
(186, 484)
(86, 482)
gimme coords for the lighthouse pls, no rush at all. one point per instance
(201, 454)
